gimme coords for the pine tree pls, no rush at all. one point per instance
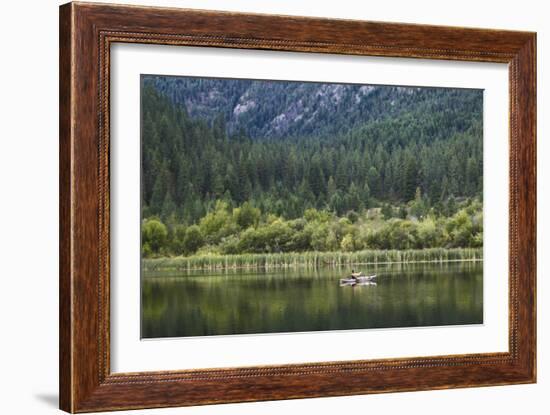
(355, 203)
(158, 195)
(373, 181)
(316, 179)
(410, 176)
(168, 207)
(331, 186)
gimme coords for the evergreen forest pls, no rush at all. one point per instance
(243, 167)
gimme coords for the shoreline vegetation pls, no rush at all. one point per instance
(245, 237)
(311, 260)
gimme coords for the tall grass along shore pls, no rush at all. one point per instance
(311, 259)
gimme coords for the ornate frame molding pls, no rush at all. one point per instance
(86, 34)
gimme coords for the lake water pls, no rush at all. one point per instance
(270, 301)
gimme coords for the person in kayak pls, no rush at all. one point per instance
(355, 275)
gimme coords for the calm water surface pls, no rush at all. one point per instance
(256, 301)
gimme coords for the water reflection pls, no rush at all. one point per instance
(268, 301)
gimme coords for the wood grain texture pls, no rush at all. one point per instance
(65, 247)
(86, 33)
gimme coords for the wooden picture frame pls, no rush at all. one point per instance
(86, 33)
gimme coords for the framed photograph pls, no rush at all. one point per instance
(260, 207)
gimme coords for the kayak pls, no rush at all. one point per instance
(358, 280)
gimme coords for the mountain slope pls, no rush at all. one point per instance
(276, 109)
(409, 142)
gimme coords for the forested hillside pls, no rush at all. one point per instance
(283, 148)
(282, 109)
